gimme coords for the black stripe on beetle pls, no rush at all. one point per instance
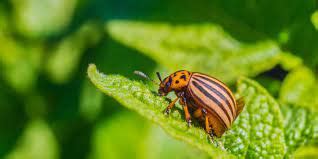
(203, 92)
(198, 86)
(216, 92)
(218, 85)
(206, 105)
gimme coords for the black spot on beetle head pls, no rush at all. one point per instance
(183, 77)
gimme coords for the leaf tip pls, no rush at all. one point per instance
(93, 73)
(91, 68)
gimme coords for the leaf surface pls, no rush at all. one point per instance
(301, 128)
(300, 88)
(258, 131)
(202, 48)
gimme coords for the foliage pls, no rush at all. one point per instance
(155, 143)
(299, 89)
(50, 109)
(314, 19)
(202, 48)
(300, 108)
(60, 65)
(138, 97)
(27, 13)
(37, 142)
(301, 127)
(258, 131)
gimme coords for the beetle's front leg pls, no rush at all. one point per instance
(187, 115)
(170, 106)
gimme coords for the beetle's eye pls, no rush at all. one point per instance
(168, 84)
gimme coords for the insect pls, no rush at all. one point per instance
(202, 97)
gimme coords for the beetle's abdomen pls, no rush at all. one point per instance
(216, 98)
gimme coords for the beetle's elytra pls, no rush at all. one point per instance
(202, 97)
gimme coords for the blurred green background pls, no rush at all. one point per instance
(50, 110)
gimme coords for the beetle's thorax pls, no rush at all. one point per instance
(177, 81)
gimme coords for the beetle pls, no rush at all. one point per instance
(203, 97)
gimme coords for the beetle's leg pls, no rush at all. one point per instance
(208, 129)
(206, 119)
(187, 114)
(186, 111)
(170, 106)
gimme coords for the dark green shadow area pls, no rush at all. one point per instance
(246, 20)
(12, 119)
(114, 58)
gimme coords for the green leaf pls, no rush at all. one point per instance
(90, 101)
(65, 58)
(169, 147)
(303, 40)
(289, 61)
(111, 140)
(203, 48)
(139, 98)
(314, 19)
(258, 131)
(301, 127)
(37, 142)
(298, 96)
(300, 88)
(19, 61)
(307, 152)
(38, 18)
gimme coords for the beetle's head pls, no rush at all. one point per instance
(164, 86)
(177, 81)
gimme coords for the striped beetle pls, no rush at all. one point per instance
(202, 96)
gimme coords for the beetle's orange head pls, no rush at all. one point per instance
(175, 82)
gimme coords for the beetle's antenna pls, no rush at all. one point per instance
(143, 75)
(158, 75)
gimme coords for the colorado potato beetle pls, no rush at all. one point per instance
(202, 97)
